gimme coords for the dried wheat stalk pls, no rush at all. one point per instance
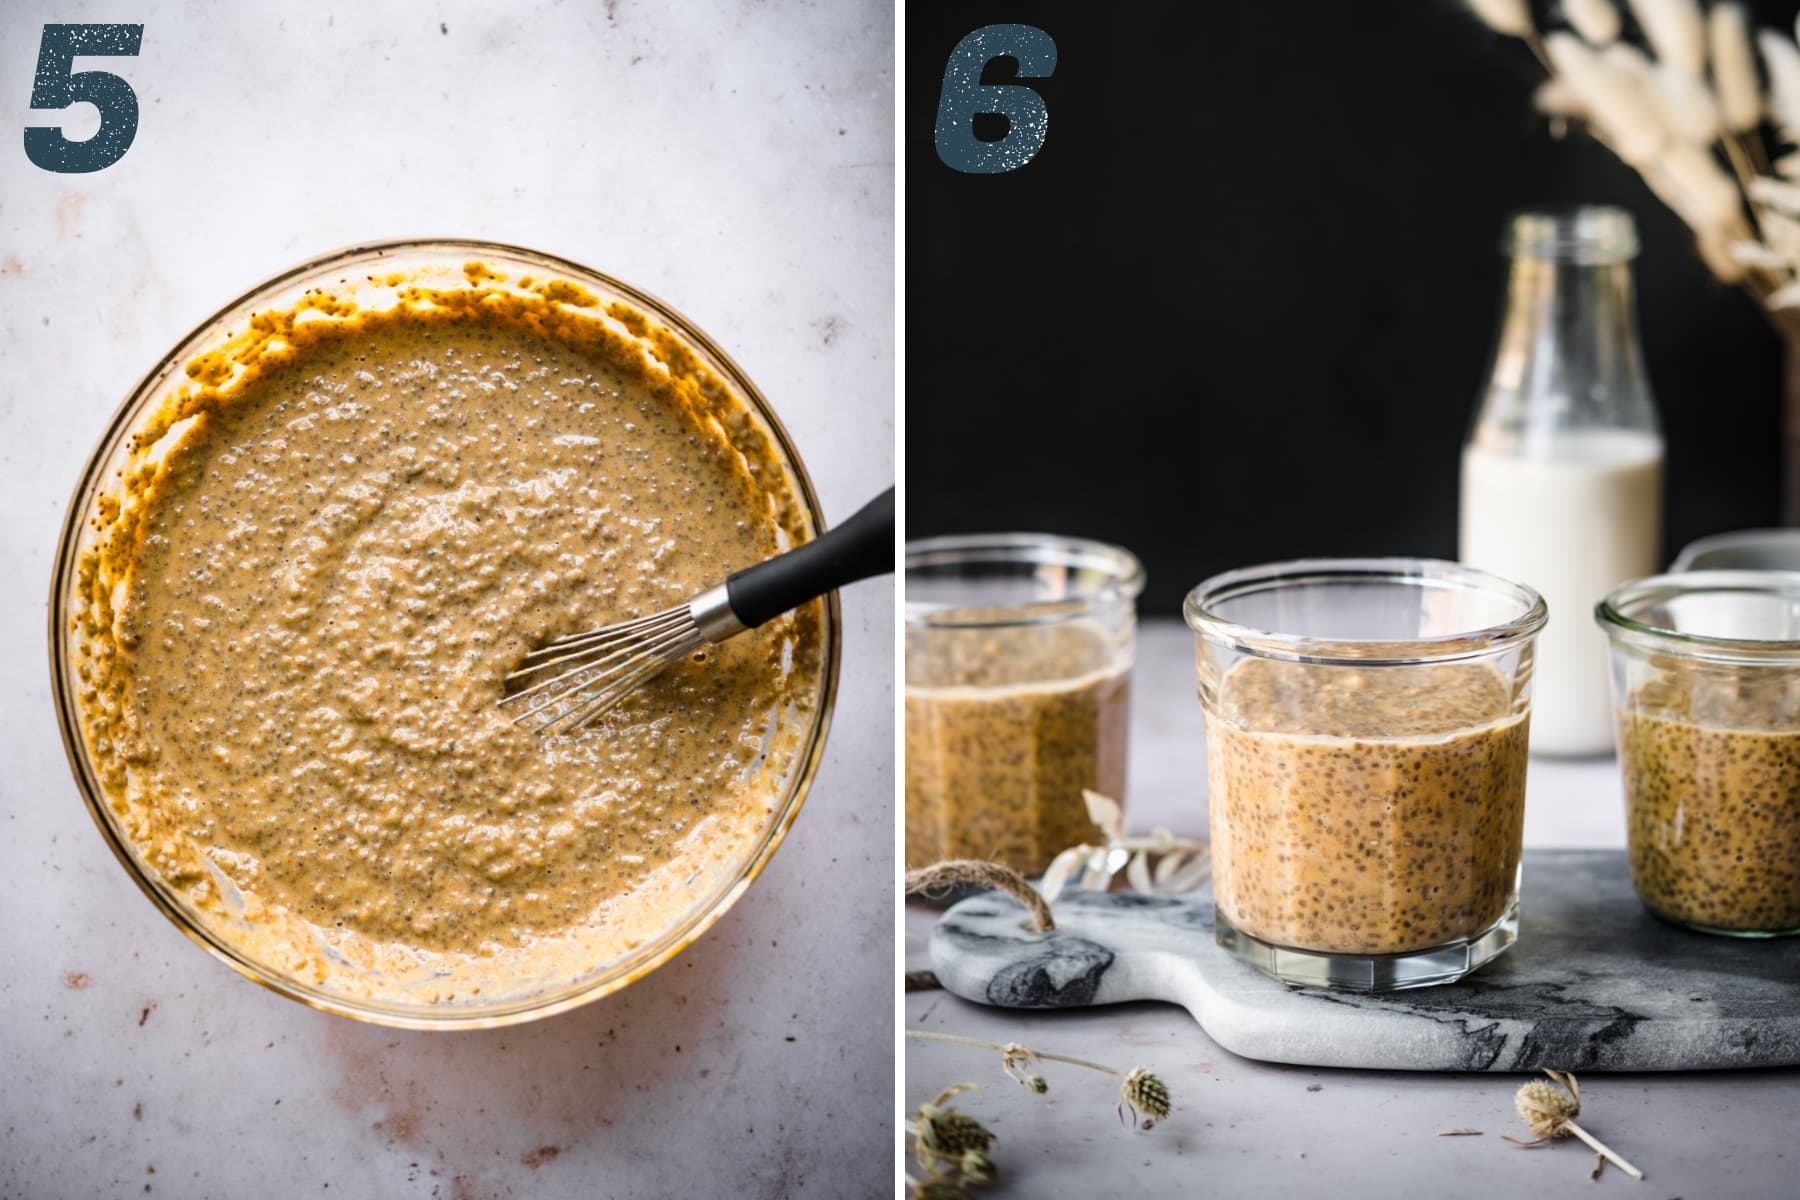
(1687, 114)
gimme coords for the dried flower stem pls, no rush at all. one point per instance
(1551, 1114)
(926, 1035)
(1143, 1093)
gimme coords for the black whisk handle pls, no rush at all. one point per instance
(862, 546)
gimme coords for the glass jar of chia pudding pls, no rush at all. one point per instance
(1018, 656)
(1706, 683)
(1366, 724)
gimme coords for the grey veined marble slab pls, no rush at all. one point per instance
(1594, 983)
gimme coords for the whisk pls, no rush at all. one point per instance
(580, 676)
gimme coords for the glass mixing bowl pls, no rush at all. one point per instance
(369, 274)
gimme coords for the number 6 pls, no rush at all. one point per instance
(58, 85)
(964, 95)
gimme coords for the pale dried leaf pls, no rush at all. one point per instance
(1104, 812)
(1189, 877)
(1784, 297)
(1138, 873)
(1734, 67)
(1167, 865)
(1061, 868)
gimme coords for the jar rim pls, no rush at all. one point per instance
(1200, 612)
(1591, 234)
(1117, 571)
(1619, 614)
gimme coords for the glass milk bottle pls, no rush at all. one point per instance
(1562, 473)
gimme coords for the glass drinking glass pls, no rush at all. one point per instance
(1706, 681)
(1018, 656)
(1366, 743)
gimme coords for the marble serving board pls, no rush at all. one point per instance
(1595, 983)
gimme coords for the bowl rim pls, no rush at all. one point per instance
(670, 942)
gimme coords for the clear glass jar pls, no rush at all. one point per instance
(1706, 677)
(1366, 724)
(1018, 659)
(1562, 470)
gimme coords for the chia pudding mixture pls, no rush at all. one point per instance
(330, 573)
(1004, 728)
(1365, 811)
(1711, 758)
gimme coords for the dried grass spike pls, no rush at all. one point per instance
(1734, 67)
(1777, 194)
(1716, 253)
(1510, 17)
(1615, 103)
(1555, 98)
(1782, 58)
(1783, 298)
(1676, 31)
(1755, 254)
(1688, 105)
(1595, 20)
(1711, 198)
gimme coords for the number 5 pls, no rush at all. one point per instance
(59, 85)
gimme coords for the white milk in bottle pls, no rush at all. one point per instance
(1562, 473)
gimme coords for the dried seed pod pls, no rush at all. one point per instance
(1145, 1095)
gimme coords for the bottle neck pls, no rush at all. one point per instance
(1568, 357)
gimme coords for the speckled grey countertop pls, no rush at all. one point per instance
(1250, 1129)
(734, 159)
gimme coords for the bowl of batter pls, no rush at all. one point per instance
(305, 552)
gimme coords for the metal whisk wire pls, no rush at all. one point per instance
(593, 671)
(584, 674)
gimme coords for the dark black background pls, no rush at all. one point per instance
(1240, 306)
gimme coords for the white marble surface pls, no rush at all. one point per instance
(1249, 1129)
(734, 159)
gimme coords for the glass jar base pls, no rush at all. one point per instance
(1714, 930)
(1370, 972)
